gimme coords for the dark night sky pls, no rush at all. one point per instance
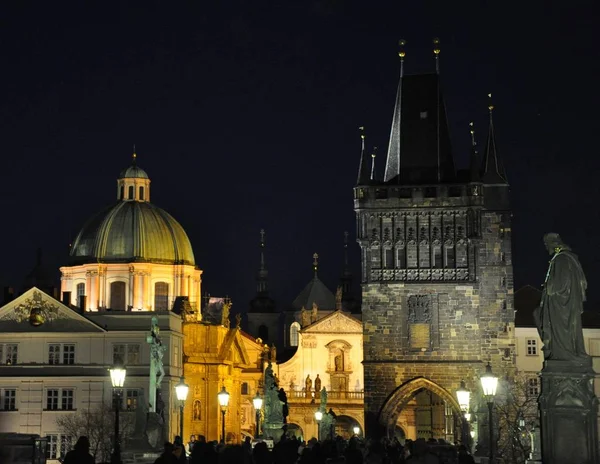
(246, 113)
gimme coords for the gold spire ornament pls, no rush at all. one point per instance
(436, 52)
(401, 54)
(134, 156)
(490, 105)
(472, 131)
(315, 263)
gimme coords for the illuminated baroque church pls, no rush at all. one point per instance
(132, 255)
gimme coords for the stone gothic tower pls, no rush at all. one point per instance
(437, 279)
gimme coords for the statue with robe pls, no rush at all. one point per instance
(304, 317)
(315, 309)
(338, 299)
(157, 370)
(225, 314)
(558, 317)
(317, 384)
(307, 386)
(273, 352)
(284, 405)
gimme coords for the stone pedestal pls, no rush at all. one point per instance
(273, 431)
(568, 410)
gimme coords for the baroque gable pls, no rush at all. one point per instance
(336, 322)
(36, 311)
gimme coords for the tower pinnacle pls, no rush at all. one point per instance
(474, 158)
(363, 168)
(262, 285)
(492, 169)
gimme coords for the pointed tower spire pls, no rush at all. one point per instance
(474, 159)
(263, 274)
(373, 156)
(492, 169)
(436, 52)
(316, 264)
(363, 168)
(392, 165)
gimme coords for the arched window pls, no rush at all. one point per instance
(117, 295)
(263, 333)
(80, 293)
(294, 328)
(141, 193)
(131, 192)
(122, 196)
(245, 388)
(388, 258)
(161, 296)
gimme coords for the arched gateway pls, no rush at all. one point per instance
(406, 393)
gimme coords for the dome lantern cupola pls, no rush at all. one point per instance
(133, 183)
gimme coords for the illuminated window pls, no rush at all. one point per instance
(80, 292)
(294, 328)
(532, 347)
(131, 399)
(161, 296)
(9, 353)
(59, 353)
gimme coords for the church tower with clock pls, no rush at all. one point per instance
(437, 278)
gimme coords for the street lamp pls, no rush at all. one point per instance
(181, 391)
(489, 384)
(223, 402)
(464, 396)
(257, 401)
(356, 430)
(318, 417)
(117, 378)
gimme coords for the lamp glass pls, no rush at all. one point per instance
(463, 396)
(467, 416)
(117, 376)
(181, 390)
(319, 415)
(257, 401)
(356, 429)
(489, 382)
(223, 398)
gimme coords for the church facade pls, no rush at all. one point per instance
(436, 263)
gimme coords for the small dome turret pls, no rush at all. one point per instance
(133, 183)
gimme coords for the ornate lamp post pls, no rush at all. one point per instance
(356, 430)
(181, 391)
(117, 378)
(489, 384)
(257, 401)
(318, 417)
(223, 402)
(464, 397)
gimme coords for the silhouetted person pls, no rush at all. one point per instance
(167, 457)
(80, 454)
(463, 456)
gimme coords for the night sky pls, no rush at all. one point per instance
(245, 115)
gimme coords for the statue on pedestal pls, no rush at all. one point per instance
(274, 407)
(558, 317)
(317, 385)
(315, 309)
(304, 317)
(307, 386)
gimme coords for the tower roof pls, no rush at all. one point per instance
(419, 149)
(315, 292)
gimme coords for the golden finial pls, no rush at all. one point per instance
(373, 155)
(362, 132)
(134, 156)
(436, 46)
(490, 105)
(315, 263)
(401, 52)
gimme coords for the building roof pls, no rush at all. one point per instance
(315, 292)
(130, 231)
(419, 148)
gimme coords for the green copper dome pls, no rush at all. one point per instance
(133, 171)
(132, 231)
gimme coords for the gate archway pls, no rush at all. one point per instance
(401, 396)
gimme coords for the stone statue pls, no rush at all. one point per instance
(315, 309)
(273, 353)
(197, 411)
(558, 317)
(308, 385)
(157, 370)
(284, 404)
(238, 321)
(323, 398)
(274, 414)
(317, 384)
(225, 314)
(304, 317)
(339, 363)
